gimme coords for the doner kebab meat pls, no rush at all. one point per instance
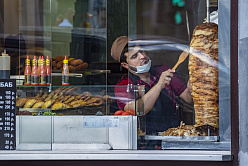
(203, 74)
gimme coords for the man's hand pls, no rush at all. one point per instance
(165, 78)
(189, 87)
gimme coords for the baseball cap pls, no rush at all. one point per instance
(118, 46)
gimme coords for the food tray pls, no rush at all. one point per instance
(35, 111)
(183, 138)
(86, 110)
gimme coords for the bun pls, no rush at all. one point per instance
(38, 104)
(83, 66)
(72, 68)
(59, 58)
(29, 103)
(54, 63)
(59, 64)
(76, 62)
(58, 105)
(21, 102)
(48, 103)
(69, 60)
(80, 61)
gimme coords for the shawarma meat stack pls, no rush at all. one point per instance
(203, 73)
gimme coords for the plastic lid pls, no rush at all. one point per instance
(34, 57)
(47, 57)
(27, 57)
(65, 60)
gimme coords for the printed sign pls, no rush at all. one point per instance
(7, 114)
(100, 122)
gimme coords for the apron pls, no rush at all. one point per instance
(163, 115)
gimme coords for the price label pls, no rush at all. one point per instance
(100, 122)
(7, 114)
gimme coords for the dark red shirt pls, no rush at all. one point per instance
(125, 94)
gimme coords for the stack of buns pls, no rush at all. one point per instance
(74, 64)
(203, 74)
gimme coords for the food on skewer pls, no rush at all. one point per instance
(203, 74)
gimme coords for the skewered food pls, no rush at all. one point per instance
(203, 73)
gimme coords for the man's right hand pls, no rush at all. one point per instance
(165, 78)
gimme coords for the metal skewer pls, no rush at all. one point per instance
(187, 21)
(208, 17)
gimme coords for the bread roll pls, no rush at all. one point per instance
(58, 106)
(59, 58)
(21, 102)
(38, 104)
(95, 101)
(59, 64)
(48, 104)
(54, 63)
(69, 100)
(76, 62)
(72, 68)
(69, 60)
(29, 103)
(83, 66)
(44, 95)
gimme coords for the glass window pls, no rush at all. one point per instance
(170, 68)
(177, 35)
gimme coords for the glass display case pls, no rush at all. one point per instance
(74, 117)
(111, 104)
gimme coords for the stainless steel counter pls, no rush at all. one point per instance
(179, 155)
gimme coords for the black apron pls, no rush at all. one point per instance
(163, 115)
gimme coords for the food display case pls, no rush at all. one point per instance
(72, 117)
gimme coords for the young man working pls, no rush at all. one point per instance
(162, 85)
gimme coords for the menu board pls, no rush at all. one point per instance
(7, 114)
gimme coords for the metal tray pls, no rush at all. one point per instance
(35, 111)
(183, 138)
(86, 110)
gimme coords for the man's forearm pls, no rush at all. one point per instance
(146, 102)
(150, 98)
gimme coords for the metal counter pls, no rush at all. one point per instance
(169, 155)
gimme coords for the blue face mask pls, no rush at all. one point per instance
(141, 69)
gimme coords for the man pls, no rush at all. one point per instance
(162, 85)
(68, 20)
(101, 17)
